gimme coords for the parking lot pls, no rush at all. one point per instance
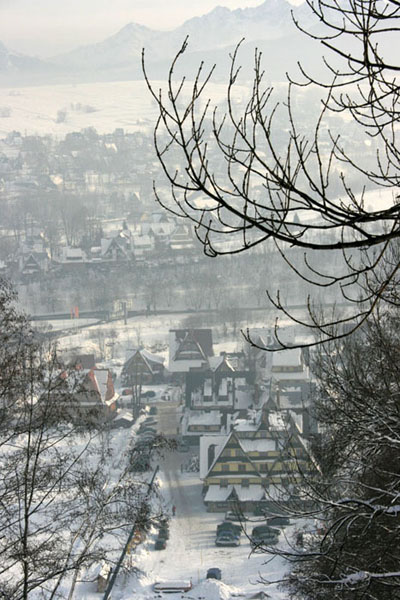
(190, 550)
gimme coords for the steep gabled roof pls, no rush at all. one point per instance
(189, 349)
(203, 337)
(233, 442)
(220, 364)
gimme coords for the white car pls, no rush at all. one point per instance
(173, 586)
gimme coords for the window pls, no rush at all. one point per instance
(245, 483)
(242, 468)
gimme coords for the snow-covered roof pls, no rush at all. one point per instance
(287, 358)
(73, 254)
(101, 376)
(208, 387)
(126, 415)
(258, 445)
(204, 418)
(223, 387)
(152, 357)
(291, 375)
(276, 420)
(143, 241)
(189, 349)
(253, 493)
(245, 425)
(216, 361)
(205, 442)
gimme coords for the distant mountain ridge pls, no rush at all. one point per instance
(13, 62)
(268, 25)
(219, 28)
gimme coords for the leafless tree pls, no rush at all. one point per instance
(68, 497)
(348, 543)
(242, 185)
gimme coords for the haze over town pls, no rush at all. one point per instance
(49, 27)
(181, 271)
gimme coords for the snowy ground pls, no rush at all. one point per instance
(125, 104)
(147, 331)
(191, 548)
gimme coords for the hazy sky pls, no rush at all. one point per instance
(46, 27)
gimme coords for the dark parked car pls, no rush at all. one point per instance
(147, 436)
(264, 534)
(214, 573)
(148, 394)
(227, 539)
(278, 521)
(163, 533)
(147, 429)
(160, 544)
(228, 526)
(153, 410)
(232, 515)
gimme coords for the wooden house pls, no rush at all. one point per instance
(221, 387)
(252, 465)
(190, 350)
(88, 394)
(143, 367)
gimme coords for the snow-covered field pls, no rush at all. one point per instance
(147, 331)
(126, 104)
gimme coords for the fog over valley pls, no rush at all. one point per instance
(199, 328)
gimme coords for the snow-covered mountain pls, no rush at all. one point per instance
(12, 62)
(220, 28)
(211, 37)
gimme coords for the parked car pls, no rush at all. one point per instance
(214, 573)
(264, 534)
(278, 521)
(147, 429)
(172, 586)
(150, 421)
(227, 539)
(161, 521)
(148, 394)
(127, 392)
(232, 515)
(228, 526)
(163, 533)
(147, 436)
(160, 544)
(153, 410)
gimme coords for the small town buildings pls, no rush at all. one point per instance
(117, 248)
(189, 350)
(32, 256)
(88, 394)
(143, 367)
(258, 462)
(96, 392)
(195, 424)
(222, 386)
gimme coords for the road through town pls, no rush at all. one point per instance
(191, 548)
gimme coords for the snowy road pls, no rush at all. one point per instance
(191, 548)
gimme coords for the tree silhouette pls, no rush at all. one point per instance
(243, 184)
